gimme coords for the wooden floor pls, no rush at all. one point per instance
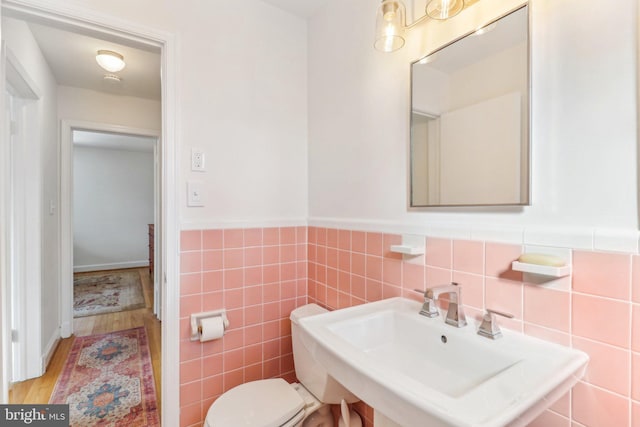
(39, 390)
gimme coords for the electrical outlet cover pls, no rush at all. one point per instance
(197, 160)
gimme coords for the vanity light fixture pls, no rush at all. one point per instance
(444, 9)
(110, 60)
(391, 25)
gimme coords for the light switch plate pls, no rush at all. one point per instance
(195, 193)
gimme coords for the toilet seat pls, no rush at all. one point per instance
(263, 403)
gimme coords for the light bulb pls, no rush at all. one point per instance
(390, 26)
(444, 9)
(110, 61)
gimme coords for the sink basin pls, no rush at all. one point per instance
(419, 371)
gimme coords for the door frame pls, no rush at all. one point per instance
(81, 18)
(21, 248)
(66, 208)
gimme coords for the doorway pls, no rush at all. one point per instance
(115, 204)
(126, 241)
(114, 29)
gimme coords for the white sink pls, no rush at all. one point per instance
(419, 371)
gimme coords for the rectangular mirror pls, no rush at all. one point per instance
(470, 119)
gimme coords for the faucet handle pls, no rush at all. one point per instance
(500, 313)
(429, 308)
(489, 327)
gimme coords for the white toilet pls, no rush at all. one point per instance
(276, 403)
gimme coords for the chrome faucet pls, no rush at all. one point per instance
(429, 308)
(455, 314)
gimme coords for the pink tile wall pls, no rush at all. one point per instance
(259, 275)
(599, 315)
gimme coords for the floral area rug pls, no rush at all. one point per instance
(106, 292)
(108, 380)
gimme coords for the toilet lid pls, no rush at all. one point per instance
(264, 403)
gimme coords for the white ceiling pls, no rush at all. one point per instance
(113, 141)
(71, 57)
(303, 8)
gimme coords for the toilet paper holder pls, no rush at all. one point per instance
(196, 321)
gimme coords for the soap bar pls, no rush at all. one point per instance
(542, 259)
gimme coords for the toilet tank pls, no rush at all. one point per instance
(313, 376)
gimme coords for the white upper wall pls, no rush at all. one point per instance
(96, 107)
(112, 204)
(584, 160)
(244, 103)
(242, 99)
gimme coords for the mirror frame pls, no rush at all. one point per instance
(526, 145)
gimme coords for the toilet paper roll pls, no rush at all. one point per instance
(212, 328)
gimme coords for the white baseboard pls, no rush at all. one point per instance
(49, 350)
(111, 266)
(65, 329)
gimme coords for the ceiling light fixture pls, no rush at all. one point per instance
(110, 60)
(391, 26)
(111, 78)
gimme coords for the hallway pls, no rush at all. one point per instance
(38, 390)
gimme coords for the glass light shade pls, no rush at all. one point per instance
(390, 26)
(110, 61)
(444, 9)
